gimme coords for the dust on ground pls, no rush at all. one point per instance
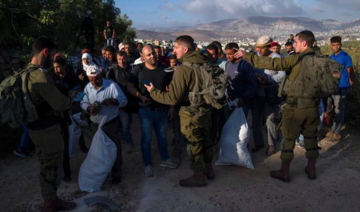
(234, 189)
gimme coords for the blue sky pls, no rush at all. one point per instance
(168, 13)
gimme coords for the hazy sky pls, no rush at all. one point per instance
(168, 13)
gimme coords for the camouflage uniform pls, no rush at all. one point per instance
(195, 122)
(46, 131)
(301, 116)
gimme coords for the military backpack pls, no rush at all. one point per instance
(318, 78)
(16, 107)
(210, 85)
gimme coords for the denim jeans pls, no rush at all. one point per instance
(126, 121)
(109, 42)
(339, 99)
(157, 120)
(26, 142)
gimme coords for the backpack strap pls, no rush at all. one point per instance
(303, 56)
(187, 64)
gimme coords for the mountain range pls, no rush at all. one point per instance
(252, 27)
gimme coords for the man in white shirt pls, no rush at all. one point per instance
(110, 97)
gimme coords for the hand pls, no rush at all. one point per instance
(143, 98)
(90, 110)
(81, 77)
(240, 103)
(107, 102)
(264, 80)
(336, 75)
(105, 38)
(239, 54)
(148, 88)
(171, 113)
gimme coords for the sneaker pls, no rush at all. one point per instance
(169, 163)
(22, 154)
(149, 171)
(128, 148)
(300, 144)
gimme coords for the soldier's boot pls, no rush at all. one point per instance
(61, 205)
(282, 174)
(197, 180)
(310, 169)
(49, 206)
(209, 171)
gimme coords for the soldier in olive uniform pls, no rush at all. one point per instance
(45, 132)
(301, 115)
(195, 122)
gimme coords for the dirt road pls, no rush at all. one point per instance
(234, 189)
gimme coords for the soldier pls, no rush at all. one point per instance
(301, 115)
(195, 122)
(45, 132)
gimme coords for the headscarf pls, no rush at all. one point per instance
(88, 56)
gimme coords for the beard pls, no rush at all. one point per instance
(47, 62)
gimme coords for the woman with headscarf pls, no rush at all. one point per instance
(80, 71)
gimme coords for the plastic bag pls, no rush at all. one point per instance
(234, 141)
(75, 133)
(99, 161)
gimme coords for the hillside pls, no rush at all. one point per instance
(255, 26)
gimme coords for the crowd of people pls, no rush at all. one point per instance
(155, 83)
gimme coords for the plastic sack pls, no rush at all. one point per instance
(234, 141)
(99, 161)
(110, 111)
(75, 133)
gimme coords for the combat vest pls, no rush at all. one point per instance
(210, 85)
(16, 106)
(315, 80)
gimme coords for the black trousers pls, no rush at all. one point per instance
(66, 160)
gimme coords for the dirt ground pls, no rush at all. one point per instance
(234, 189)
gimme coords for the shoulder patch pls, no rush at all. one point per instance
(43, 70)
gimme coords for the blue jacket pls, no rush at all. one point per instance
(244, 83)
